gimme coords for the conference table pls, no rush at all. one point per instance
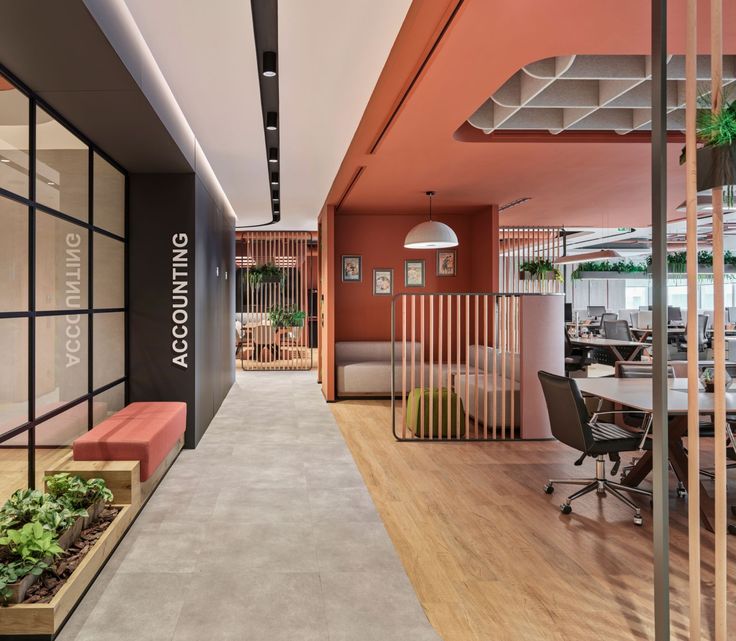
(611, 344)
(636, 393)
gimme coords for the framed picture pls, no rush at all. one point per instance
(414, 273)
(352, 269)
(383, 282)
(446, 262)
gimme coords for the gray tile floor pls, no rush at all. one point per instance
(265, 532)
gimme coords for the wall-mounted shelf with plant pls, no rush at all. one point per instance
(268, 273)
(716, 132)
(539, 269)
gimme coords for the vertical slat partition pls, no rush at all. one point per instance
(459, 382)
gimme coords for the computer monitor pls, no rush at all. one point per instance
(674, 314)
(596, 311)
(568, 312)
(645, 319)
(731, 314)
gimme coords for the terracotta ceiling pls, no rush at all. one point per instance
(406, 142)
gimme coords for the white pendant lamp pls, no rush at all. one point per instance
(430, 234)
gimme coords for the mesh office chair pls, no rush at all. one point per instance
(702, 334)
(617, 330)
(608, 317)
(674, 314)
(572, 425)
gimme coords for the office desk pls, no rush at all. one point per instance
(612, 345)
(637, 394)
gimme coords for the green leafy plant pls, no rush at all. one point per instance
(76, 493)
(28, 551)
(269, 271)
(539, 268)
(283, 317)
(26, 506)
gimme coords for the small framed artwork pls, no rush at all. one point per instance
(446, 262)
(352, 269)
(414, 273)
(383, 282)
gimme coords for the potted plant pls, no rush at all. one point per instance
(539, 269)
(716, 132)
(267, 273)
(89, 497)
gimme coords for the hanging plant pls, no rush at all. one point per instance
(716, 132)
(539, 269)
(609, 267)
(267, 273)
(284, 317)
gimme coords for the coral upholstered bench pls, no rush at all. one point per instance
(152, 433)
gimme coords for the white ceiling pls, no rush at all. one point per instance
(331, 53)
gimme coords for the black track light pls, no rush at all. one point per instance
(269, 64)
(274, 177)
(275, 195)
(272, 119)
(273, 154)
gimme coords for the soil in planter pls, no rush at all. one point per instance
(54, 578)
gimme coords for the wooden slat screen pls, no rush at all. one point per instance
(456, 366)
(264, 343)
(520, 245)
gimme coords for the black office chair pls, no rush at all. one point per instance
(608, 317)
(572, 425)
(576, 358)
(628, 369)
(617, 330)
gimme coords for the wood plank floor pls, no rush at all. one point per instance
(14, 467)
(492, 558)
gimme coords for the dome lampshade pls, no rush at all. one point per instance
(430, 234)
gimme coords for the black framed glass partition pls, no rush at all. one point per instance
(62, 286)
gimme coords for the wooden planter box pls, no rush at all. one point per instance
(716, 167)
(67, 538)
(530, 276)
(44, 619)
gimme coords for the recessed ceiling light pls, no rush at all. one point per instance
(4, 159)
(273, 154)
(50, 182)
(272, 120)
(274, 177)
(275, 195)
(269, 64)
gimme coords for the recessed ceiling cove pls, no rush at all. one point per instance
(590, 93)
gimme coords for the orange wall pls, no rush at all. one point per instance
(379, 239)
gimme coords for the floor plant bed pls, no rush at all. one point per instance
(53, 579)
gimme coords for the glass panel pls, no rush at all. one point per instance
(14, 253)
(109, 197)
(14, 156)
(61, 361)
(108, 348)
(61, 264)
(62, 168)
(107, 403)
(13, 465)
(108, 272)
(13, 373)
(53, 438)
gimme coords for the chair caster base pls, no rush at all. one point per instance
(549, 488)
(566, 508)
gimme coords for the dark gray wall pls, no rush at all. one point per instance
(162, 205)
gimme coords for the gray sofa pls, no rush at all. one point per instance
(506, 392)
(364, 367)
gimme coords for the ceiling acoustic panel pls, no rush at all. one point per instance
(591, 93)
